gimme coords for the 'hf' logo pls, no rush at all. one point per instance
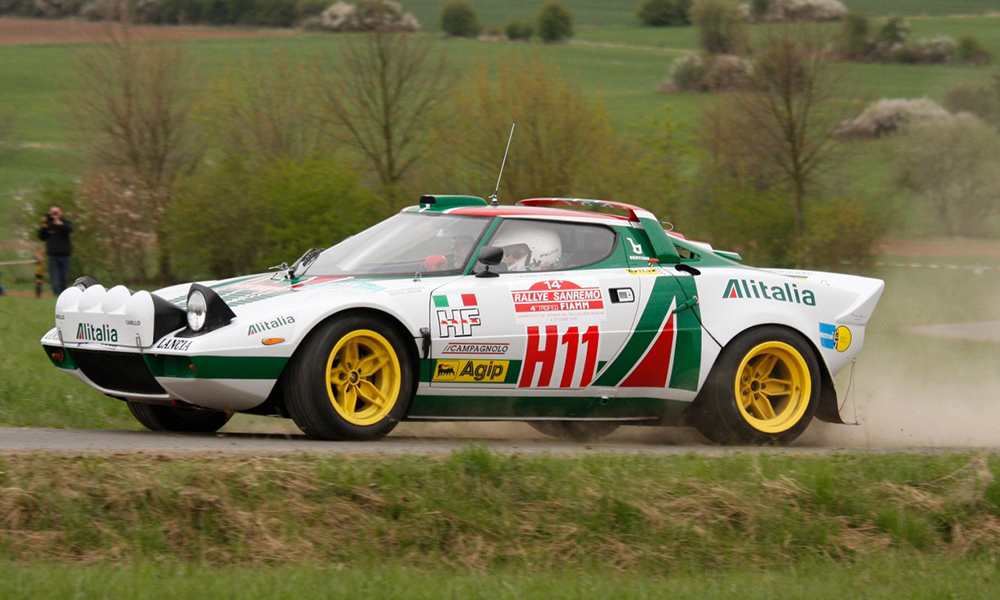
(457, 322)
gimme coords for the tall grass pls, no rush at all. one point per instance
(476, 510)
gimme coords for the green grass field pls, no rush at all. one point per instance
(911, 578)
(588, 14)
(622, 65)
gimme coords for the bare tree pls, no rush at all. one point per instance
(133, 112)
(264, 112)
(954, 164)
(379, 96)
(789, 118)
(562, 137)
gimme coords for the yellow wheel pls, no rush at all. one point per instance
(763, 389)
(773, 387)
(363, 377)
(351, 379)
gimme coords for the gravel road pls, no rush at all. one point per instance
(21, 440)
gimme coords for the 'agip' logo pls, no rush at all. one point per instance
(748, 288)
(471, 371)
(89, 333)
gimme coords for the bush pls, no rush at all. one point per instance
(844, 229)
(971, 52)
(709, 73)
(665, 13)
(886, 117)
(853, 40)
(782, 11)
(722, 26)
(233, 218)
(366, 15)
(953, 164)
(458, 19)
(518, 30)
(555, 23)
(981, 100)
(936, 50)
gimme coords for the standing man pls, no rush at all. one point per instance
(55, 232)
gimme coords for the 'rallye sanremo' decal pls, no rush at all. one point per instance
(665, 343)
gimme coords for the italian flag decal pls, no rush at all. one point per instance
(455, 301)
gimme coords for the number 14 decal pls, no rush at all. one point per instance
(547, 348)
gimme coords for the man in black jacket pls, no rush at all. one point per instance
(55, 232)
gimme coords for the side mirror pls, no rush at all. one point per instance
(490, 255)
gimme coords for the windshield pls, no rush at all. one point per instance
(405, 244)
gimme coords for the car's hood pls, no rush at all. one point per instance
(119, 317)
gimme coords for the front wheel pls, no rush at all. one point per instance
(183, 420)
(764, 389)
(351, 380)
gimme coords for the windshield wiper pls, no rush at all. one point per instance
(286, 272)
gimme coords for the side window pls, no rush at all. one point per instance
(551, 246)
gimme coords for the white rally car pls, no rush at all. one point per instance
(575, 321)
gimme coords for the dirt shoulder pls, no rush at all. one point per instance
(16, 31)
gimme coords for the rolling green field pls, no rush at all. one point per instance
(622, 65)
(589, 14)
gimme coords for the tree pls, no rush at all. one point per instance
(664, 13)
(563, 143)
(379, 96)
(786, 123)
(458, 19)
(266, 111)
(133, 114)
(234, 217)
(954, 164)
(555, 23)
(722, 26)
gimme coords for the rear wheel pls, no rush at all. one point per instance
(351, 380)
(172, 418)
(578, 431)
(764, 389)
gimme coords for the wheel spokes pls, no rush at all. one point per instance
(776, 387)
(350, 399)
(765, 366)
(351, 354)
(762, 406)
(372, 394)
(373, 363)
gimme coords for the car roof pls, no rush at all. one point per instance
(540, 212)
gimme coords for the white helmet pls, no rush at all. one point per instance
(545, 245)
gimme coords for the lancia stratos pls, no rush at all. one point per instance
(551, 311)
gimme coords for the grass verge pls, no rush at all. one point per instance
(482, 512)
(908, 577)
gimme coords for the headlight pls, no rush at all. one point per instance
(197, 310)
(206, 310)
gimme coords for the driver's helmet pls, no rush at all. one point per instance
(545, 245)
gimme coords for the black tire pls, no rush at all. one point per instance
(578, 431)
(765, 417)
(318, 402)
(183, 420)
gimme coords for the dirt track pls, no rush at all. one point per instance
(17, 31)
(648, 442)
